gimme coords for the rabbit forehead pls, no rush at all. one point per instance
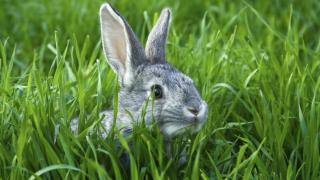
(164, 73)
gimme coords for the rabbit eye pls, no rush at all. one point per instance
(157, 91)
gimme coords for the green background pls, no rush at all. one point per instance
(256, 63)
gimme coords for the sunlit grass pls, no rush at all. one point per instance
(255, 63)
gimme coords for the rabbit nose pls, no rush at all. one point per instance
(194, 110)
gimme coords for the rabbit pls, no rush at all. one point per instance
(143, 74)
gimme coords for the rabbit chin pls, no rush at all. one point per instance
(171, 129)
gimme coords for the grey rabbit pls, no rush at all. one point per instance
(144, 74)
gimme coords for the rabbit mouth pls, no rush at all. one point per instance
(177, 123)
(176, 127)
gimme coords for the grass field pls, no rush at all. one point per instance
(256, 63)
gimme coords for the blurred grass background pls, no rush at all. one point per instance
(256, 63)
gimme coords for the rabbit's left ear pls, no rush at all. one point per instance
(156, 43)
(123, 50)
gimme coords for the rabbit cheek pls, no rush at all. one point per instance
(172, 129)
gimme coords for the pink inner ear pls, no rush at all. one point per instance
(120, 51)
(114, 38)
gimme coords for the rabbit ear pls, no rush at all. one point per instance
(156, 43)
(123, 51)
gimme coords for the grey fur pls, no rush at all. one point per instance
(171, 112)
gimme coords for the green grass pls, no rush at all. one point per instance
(256, 63)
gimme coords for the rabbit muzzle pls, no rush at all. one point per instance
(191, 119)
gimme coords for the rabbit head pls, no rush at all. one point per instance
(144, 75)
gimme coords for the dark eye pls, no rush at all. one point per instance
(157, 90)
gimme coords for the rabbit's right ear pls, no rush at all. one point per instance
(123, 51)
(156, 42)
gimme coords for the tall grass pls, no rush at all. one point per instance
(256, 63)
